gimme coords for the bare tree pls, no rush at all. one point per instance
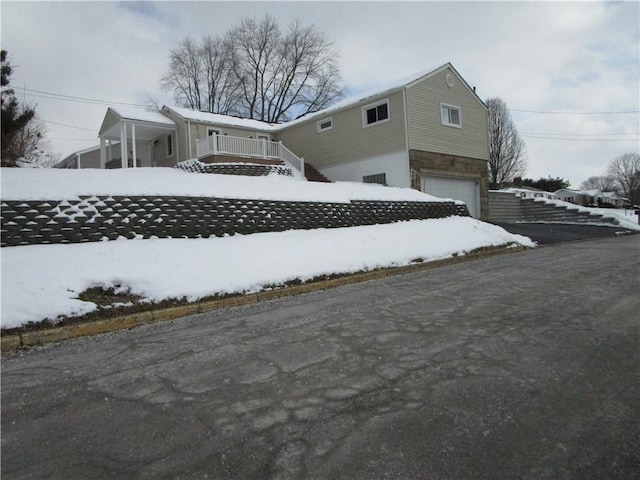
(604, 183)
(626, 170)
(254, 48)
(222, 90)
(184, 77)
(257, 72)
(507, 158)
(30, 141)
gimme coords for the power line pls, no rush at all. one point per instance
(65, 125)
(574, 113)
(71, 98)
(539, 137)
(579, 134)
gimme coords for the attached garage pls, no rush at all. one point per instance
(458, 188)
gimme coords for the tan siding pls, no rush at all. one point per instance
(426, 131)
(348, 140)
(179, 136)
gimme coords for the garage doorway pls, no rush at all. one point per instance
(457, 188)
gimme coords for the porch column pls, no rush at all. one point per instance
(109, 152)
(103, 153)
(133, 144)
(123, 145)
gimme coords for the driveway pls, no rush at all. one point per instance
(521, 366)
(548, 233)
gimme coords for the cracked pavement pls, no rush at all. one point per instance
(516, 366)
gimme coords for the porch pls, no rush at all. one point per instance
(224, 147)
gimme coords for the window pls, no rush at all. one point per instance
(212, 131)
(450, 115)
(169, 145)
(380, 178)
(375, 113)
(323, 125)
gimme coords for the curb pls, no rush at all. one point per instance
(57, 334)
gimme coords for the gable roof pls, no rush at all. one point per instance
(136, 115)
(385, 89)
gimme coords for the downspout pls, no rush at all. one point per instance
(406, 134)
(189, 139)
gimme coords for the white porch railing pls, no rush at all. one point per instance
(249, 147)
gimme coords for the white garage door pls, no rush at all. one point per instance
(465, 189)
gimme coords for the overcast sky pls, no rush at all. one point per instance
(581, 59)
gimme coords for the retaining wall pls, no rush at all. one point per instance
(98, 218)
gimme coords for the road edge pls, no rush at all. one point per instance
(16, 341)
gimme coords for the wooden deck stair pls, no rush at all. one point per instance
(314, 175)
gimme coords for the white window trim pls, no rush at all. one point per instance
(214, 130)
(173, 146)
(319, 128)
(374, 105)
(450, 106)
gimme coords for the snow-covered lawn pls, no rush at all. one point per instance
(43, 281)
(53, 184)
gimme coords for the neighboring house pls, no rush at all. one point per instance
(427, 132)
(530, 192)
(613, 199)
(590, 197)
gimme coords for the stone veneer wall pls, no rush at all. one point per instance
(97, 218)
(431, 163)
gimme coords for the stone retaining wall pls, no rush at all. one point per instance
(98, 218)
(248, 169)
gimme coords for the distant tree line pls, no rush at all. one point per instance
(255, 70)
(547, 184)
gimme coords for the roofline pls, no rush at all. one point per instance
(460, 77)
(370, 96)
(274, 128)
(138, 121)
(364, 97)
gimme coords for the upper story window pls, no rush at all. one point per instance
(169, 145)
(375, 113)
(450, 115)
(324, 125)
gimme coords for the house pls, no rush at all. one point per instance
(428, 132)
(591, 198)
(529, 192)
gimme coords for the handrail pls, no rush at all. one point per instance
(250, 147)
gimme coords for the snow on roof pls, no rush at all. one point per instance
(142, 115)
(219, 119)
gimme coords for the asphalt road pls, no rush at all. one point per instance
(549, 233)
(521, 366)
